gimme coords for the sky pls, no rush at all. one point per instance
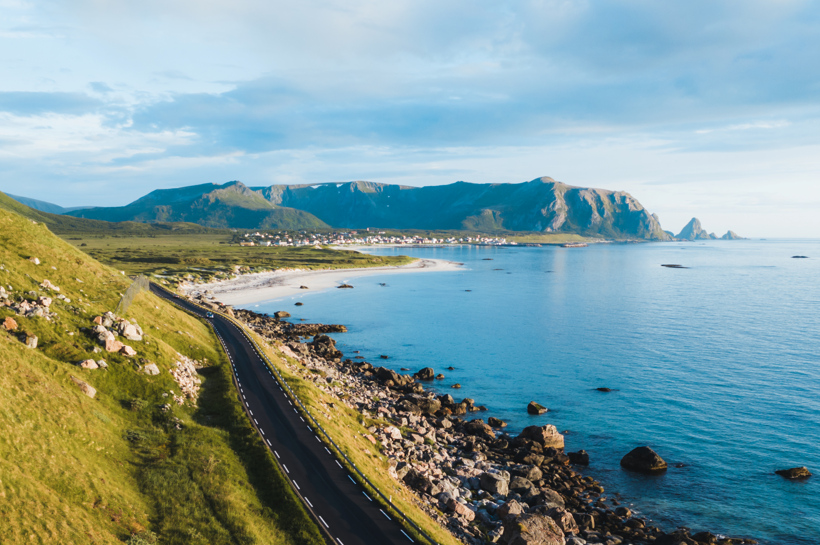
(702, 108)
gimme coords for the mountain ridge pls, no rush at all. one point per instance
(540, 205)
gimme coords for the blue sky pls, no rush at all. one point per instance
(697, 108)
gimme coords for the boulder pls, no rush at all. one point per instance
(535, 408)
(112, 345)
(428, 406)
(460, 509)
(644, 460)
(496, 422)
(9, 324)
(34, 260)
(417, 481)
(130, 331)
(425, 374)
(44, 301)
(393, 433)
(29, 340)
(85, 388)
(151, 369)
(408, 407)
(563, 519)
(546, 436)
(493, 483)
(128, 351)
(282, 314)
(479, 428)
(580, 458)
(550, 498)
(794, 473)
(325, 347)
(88, 364)
(512, 507)
(623, 511)
(532, 529)
(456, 386)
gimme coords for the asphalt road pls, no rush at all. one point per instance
(340, 506)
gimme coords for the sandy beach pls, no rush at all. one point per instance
(253, 288)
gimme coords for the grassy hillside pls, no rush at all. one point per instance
(65, 225)
(117, 467)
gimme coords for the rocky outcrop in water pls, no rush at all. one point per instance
(644, 460)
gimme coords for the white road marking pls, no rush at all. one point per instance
(323, 522)
(268, 440)
(255, 422)
(277, 454)
(338, 464)
(297, 485)
(317, 438)
(408, 537)
(351, 478)
(286, 469)
(366, 496)
(385, 514)
(328, 451)
(308, 502)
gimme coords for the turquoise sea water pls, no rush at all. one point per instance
(716, 367)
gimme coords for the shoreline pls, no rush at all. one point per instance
(268, 286)
(472, 477)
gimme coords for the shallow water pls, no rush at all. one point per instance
(716, 366)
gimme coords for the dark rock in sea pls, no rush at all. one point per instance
(382, 284)
(580, 458)
(496, 422)
(425, 374)
(345, 286)
(604, 389)
(794, 473)
(673, 266)
(456, 385)
(468, 290)
(299, 304)
(800, 257)
(535, 408)
(440, 376)
(405, 368)
(282, 314)
(643, 460)
(487, 259)
(451, 368)
(705, 537)
(303, 287)
(384, 357)
(679, 465)
(623, 512)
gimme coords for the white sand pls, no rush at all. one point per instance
(253, 288)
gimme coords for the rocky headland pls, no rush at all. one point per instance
(480, 482)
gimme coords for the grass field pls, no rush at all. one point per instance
(115, 468)
(205, 256)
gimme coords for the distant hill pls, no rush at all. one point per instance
(694, 231)
(232, 205)
(44, 206)
(63, 225)
(541, 205)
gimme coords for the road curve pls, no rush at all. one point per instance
(341, 508)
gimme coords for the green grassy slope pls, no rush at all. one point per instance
(67, 224)
(115, 468)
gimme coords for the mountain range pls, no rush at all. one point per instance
(542, 205)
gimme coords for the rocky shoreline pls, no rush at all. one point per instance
(481, 483)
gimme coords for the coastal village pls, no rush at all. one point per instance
(366, 237)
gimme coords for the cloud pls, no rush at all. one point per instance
(34, 103)
(100, 87)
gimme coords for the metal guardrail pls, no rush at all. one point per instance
(283, 382)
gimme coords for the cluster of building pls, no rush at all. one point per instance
(368, 237)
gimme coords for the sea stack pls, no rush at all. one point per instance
(643, 460)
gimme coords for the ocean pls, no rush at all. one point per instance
(716, 366)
